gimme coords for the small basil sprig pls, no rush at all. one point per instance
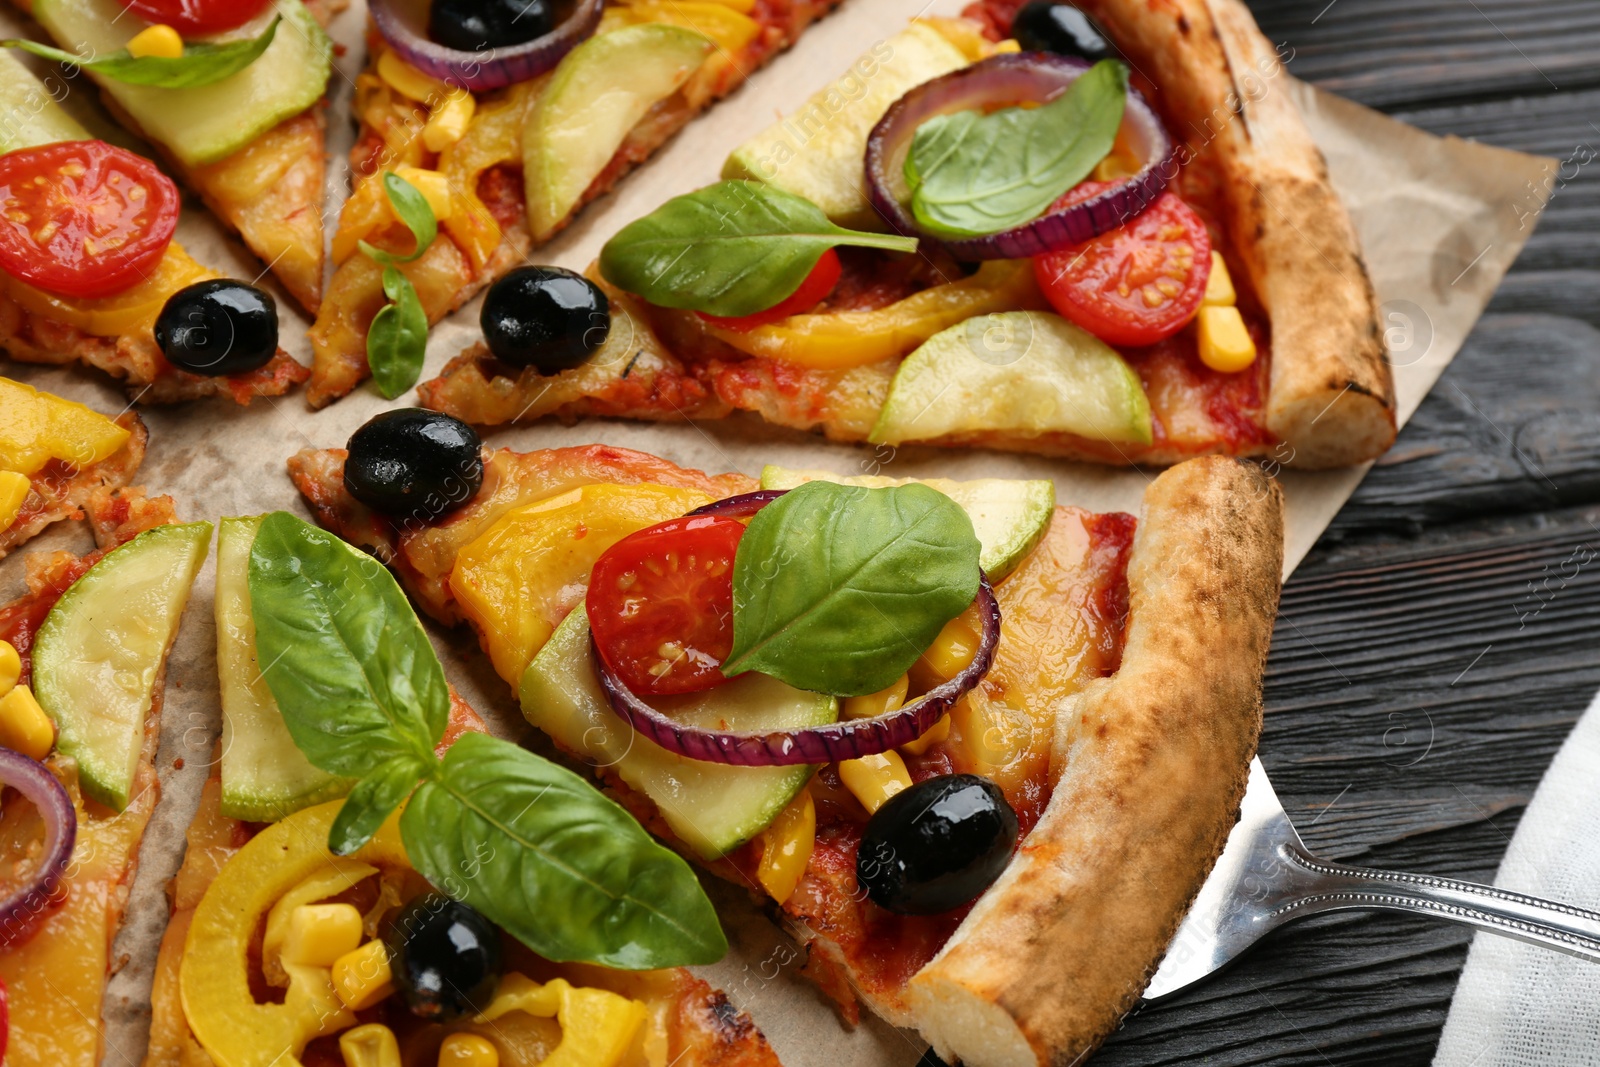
(972, 173)
(397, 340)
(730, 249)
(200, 65)
(531, 845)
(838, 589)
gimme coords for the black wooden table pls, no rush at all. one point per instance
(1438, 644)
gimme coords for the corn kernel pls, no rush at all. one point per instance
(874, 779)
(372, 1045)
(468, 1050)
(434, 187)
(160, 41)
(1225, 345)
(321, 933)
(939, 731)
(408, 81)
(362, 978)
(24, 727)
(949, 654)
(14, 488)
(1219, 286)
(449, 121)
(880, 703)
(10, 667)
(786, 847)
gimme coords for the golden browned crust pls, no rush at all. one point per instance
(1151, 765)
(1332, 397)
(57, 493)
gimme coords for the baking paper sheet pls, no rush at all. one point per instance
(1440, 221)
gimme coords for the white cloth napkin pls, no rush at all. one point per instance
(1521, 1006)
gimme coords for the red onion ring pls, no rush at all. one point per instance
(850, 739)
(492, 68)
(742, 506)
(20, 910)
(1004, 80)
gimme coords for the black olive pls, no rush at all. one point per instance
(937, 845)
(217, 328)
(414, 464)
(545, 317)
(1062, 29)
(475, 25)
(444, 956)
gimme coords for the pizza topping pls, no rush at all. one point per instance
(414, 464)
(937, 845)
(218, 328)
(83, 218)
(731, 249)
(1042, 26)
(33, 895)
(158, 57)
(478, 25)
(445, 957)
(1136, 284)
(548, 318)
(1005, 81)
(822, 280)
(479, 69)
(37, 428)
(397, 339)
(197, 17)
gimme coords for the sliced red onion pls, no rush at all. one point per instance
(742, 506)
(22, 909)
(404, 23)
(1000, 81)
(850, 739)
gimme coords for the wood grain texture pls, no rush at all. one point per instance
(1435, 649)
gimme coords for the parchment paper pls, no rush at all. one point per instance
(1440, 220)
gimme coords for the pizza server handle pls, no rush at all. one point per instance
(1266, 877)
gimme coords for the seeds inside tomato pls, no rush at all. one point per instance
(660, 604)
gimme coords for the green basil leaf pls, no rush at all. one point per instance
(343, 653)
(838, 589)
(972, 174)
(371, 801)
(200, 64)
(548, 858)
(733, 248)
(397, 340)
(411, 208)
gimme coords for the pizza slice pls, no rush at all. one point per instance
(791, 682)
(79, 719)
(507, 144)
(1147, 266)
(90, 272)
(230, 93)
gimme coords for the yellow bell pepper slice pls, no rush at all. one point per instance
(597, 1025)
(723, 23)
(856, 338)
(368, 209)
(14, 489)
(117, 314)
(786, 847)
(519, 578)
(36, 428)
(215, 977)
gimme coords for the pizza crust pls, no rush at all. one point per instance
(1151, 764)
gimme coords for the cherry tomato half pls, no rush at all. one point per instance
(661, 604)
(1137, 284)
(813, 291)
(197, 17)
(83, 218)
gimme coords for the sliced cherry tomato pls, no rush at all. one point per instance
(1137, 284)
(82, 218)
(813, 291)
(197, 17)
(661, 604)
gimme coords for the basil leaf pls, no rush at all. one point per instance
(397, 340)
(972, 174)
(411, 208)
(548, 858)
(838, 589)
(371, 801)
(200, 64)
(343, 653)
(733, 248)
